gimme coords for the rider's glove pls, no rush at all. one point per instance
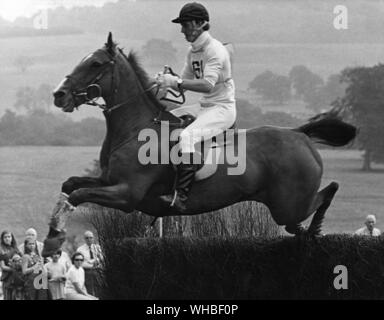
(167, 81)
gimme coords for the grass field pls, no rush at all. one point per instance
(360, 193)
(31, 179)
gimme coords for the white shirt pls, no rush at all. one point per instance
(74, 275)
(365, 232)
(85, 250)
(64, 259)
(208, 59)
(55, 269)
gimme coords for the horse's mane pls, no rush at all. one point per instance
(142, 76)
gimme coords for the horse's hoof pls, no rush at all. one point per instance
(53, 242)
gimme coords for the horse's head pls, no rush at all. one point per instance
(92, 78)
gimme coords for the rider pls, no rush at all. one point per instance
(207, 70)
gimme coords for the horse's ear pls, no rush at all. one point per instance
(109, 40)
(110, 45)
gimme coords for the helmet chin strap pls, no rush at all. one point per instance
(197, 29)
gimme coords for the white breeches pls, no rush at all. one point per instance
(210, 122)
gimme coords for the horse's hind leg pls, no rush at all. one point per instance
(321, 204)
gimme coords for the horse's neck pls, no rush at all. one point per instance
(126, 122)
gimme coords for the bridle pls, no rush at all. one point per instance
(84, 92)
(94, 85)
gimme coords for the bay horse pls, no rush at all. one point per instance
(283, 167)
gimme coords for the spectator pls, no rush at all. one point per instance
(75, 288)
(369, 229)
(17, 279)
(92, 262)
(8, 248)
(32, 266)
(64, 259)
(32, 234)
(56, 276)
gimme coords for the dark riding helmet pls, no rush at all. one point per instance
(192, 11)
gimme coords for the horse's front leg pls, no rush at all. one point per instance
(75, 183)
(118, 196)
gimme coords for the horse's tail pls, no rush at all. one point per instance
(330, 131)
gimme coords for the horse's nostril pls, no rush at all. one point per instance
(59, 94)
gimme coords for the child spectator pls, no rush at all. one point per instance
(17, 279)
(32, 266)
(56, 276)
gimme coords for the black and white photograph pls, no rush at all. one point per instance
(191, 156)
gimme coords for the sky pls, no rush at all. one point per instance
(11, 9)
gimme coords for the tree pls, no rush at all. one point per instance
(304, 82)
(334, 88)
(272, 86)
(159, 52)
(364, 99)
(323, 96)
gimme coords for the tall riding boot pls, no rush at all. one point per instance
(185, 177)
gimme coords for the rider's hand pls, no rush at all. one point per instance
(167, 81)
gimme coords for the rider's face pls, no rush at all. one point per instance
(190, 30)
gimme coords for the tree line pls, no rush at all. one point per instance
(356, 94)
(41, 128)
(300, 84)
(37, 124)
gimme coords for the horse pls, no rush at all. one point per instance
(283, 169)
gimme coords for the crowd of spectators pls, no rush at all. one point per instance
(26, 275)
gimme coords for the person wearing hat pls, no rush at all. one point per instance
(207, 70)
